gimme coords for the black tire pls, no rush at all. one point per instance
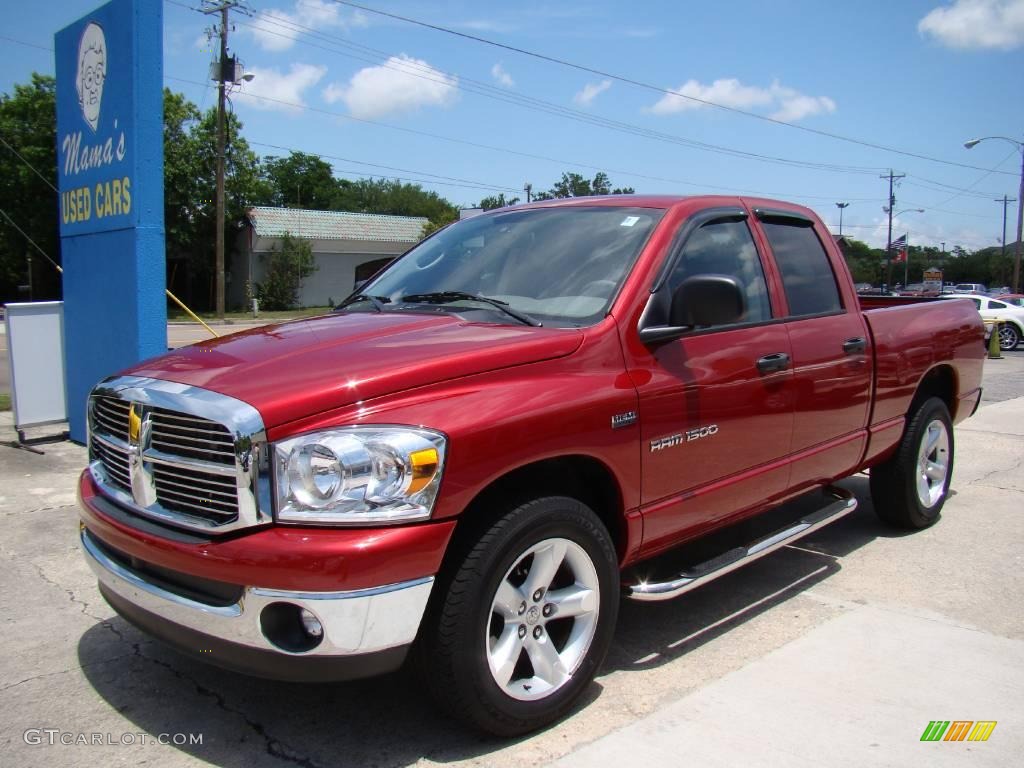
(460, 635)
(904, 495)
(1009, 337)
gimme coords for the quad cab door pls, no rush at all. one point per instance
(716, 403)
(831, 350)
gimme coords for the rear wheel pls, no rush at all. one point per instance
(1009, 337)
(909, 489)
(525, 619)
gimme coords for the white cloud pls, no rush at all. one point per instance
(483, 25)
(794, 105)
(504, 78)
(276, 29)
(401, 84)
(728, 92)
(977, 24)
(788, 103)
(272, 84)
(590, 92)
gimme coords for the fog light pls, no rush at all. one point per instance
(311, 623)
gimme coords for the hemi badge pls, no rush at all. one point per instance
(624, 419)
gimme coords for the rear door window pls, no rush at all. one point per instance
(807, 276)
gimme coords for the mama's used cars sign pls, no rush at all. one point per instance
(110, 176)
(96, 136)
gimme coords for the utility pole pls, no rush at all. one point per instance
(528, 189)
(888, 244)
(841, 206)
(1005, 200)
(222, 7)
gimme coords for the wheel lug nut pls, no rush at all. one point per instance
(538, 595)
(537, 632)
(549, 609)
(522, 630)
(522, 608)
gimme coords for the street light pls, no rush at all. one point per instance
(840, 206)
(1020, 203)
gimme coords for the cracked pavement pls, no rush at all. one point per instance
(704, 673)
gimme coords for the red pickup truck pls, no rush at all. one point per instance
(505, 431)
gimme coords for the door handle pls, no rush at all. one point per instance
(771, 363)
(855, 346)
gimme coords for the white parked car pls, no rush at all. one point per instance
(1012, 329)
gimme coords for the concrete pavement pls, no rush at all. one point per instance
(928, 626)
(839, 650)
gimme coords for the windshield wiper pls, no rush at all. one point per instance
(443, 297)
(378, 302)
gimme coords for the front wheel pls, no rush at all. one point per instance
(1009, 337)
(525, 620)
(909, 489)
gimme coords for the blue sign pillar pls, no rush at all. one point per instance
(110, 172)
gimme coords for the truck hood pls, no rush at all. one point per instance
(304, 367)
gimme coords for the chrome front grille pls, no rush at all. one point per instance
(195, 492)
(115, 461)
(110, 415)
(189, 436)
(180, 454)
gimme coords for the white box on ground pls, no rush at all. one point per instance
(35, 352)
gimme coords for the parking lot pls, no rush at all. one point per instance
(837, 651)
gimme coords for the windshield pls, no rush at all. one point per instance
(559, 266)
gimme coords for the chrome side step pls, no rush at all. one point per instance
(735, 558)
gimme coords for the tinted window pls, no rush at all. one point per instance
(726, 248)
(807, 274)
(561, 265)
(996, 305)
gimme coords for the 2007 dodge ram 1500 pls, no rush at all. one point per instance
(499, 434)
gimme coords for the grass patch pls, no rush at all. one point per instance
(5, 401)
(176, 315)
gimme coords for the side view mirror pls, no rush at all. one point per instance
(702, 300)
(707, 300)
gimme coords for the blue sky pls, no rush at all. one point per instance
(366, 91)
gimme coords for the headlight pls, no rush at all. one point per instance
(358, 475)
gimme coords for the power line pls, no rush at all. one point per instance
(655, 88)
(26, 162)
(468, 183)
(962, 191)
(479, 88)
(532, 156)
(46, 256)
(27, 44)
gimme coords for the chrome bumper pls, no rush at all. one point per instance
(356, 622)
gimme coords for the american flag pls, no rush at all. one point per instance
(899, 244)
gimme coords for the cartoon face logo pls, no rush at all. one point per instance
(92, 71)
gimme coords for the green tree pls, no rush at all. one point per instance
(184, 204)
(289, 265)
(244, 187)
(575, 185)
(300, 181)
(497, 201)
(395, 198)
(28, 123)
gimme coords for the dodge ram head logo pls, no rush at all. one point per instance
(140, 474)
(683, 437)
